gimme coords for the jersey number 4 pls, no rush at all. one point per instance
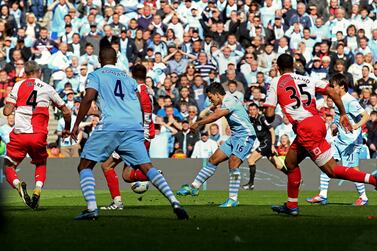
(295, 97)
(118, 91)
(32, 99)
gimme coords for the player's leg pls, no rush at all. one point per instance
(220, 155)
(251, 160)
(108, 168)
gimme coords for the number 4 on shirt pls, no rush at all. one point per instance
(118, 91)
(32, 99)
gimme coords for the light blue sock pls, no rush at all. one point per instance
(87, 183)
(234, 183)
(324, 184)
(360, 187)
(160, 183)
(204, 174)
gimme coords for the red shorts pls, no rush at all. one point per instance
(311, 138)
(33, 144)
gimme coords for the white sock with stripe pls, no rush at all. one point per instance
(234, 183)
(87, 184)
(360, 187)
(324, 184)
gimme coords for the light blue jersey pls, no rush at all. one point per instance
(347, 145)
(117, 100)
(238, 120)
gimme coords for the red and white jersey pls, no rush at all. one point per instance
(296, 95)
(146, 98)
(32, 97)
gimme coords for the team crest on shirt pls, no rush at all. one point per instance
(316, 151)
(259, 127)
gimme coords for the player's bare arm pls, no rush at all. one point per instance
(67, 119)
(85, 105)
(210, 118)
(8, 109)
(364, 119)
(273, 138)
(269, 113)
(344, 121)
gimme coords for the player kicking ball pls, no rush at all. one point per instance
(296, 96)
(130, 174)
(346, 145)
(120, 129)
(235, 149)
(265, 146)
(30, 100)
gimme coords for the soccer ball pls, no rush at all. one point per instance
(140, 186)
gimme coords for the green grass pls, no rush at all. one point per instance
(150, 224)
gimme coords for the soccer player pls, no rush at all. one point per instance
(120, 129)
(346, 145)
(131, 174)
(30, 100)
(266, 147)
(235, 149)
(296, 96)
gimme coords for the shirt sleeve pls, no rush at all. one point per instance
(272, 98)
(320, 86)
(12, 97)
(92, 81)
(355, 108)
(229, 103)
(55, 98)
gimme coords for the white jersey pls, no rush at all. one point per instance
(296, 96)
(32, 97)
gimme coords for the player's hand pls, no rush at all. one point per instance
(273, 150)
(65, 133)
(344, 121)
(75, 132)
(194, 127)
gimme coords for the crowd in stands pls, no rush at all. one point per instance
(187, 45)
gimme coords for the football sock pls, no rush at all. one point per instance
(87, 184)
(137, 175)
(160, 183)
(234, 183)
(253, 170)
(11, 176)
(294, 180)
(360, 187)
(347, 173)
(324, 184)
(204, 174)
(40, 176)
(112, 182)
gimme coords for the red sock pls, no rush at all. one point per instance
(112, 183)
(138, 175)
(40, 175)
(346, 173)
(294, 180)
(10, 174)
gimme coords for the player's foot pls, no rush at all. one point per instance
(248, 186)
(88, 215)
(187, 190)
(284, 209)
(318, 199)
(229, 203)
(360, 202)
(113, 206)
(23, 193)
(35, 198)
(180, 212)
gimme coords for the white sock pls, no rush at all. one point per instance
(118, 200)
(363, 196)
(92, 205)
(16, 182)
(39, 184)
(323, 193)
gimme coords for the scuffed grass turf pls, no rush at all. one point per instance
(149, 223)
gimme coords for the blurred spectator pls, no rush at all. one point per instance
(185, 139)
(160, 143)
(366, 81)
(284, 144)
(285, 128)
(6, 129)
(53, 151)
(68, 147)
(205, 147)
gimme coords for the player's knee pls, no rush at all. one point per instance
(105, 167)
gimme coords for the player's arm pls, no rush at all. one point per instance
(344, 121)
(85, 105)
(210, 118)
(364, 119)
(269, 113)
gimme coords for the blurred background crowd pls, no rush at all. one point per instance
(187, 45)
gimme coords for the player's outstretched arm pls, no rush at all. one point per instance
(210, 118)
(67, 120)
(85, 105)
(364, 119)
(344, 121)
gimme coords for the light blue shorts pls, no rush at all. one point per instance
(129, 145)
(348, 154)
(239, 146)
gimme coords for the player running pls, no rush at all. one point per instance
(346, 146)
(236, 148)
(120, 129)
(296, 96)
(265, 146)
(30, 100)
(131, 174)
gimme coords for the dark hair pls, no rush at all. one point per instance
(254, 105)
(215, 88)
(285, 62)
(89, 45)
(139, 72)
(107, 55)
(232, 82)
(340, 80)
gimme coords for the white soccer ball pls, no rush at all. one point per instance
(140, 186)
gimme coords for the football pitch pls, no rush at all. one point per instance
(148, 223)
